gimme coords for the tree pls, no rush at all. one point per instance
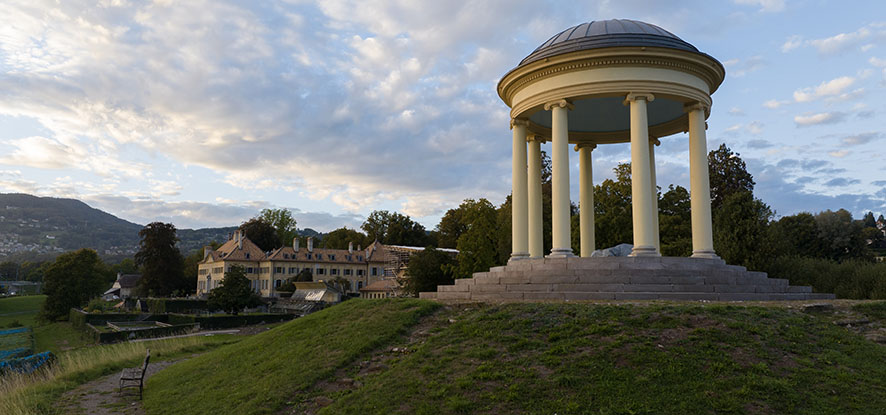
(741, 234)
(477, 245)
(261, 233)
(71, 281)
(675, 222)
(451, 226)
(728, 175)
(305, 275)
(797, 235)
(869, 221)
(234, 293)
(341, 237)
(161, 262)
(612, 209)
(283, 223)
(9, 270)
(342, 284)
(841, 236)
(428, 269)
(394, 229)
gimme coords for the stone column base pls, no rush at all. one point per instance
(561, 253)
(644, 251)
(518, 256)
(704, 254)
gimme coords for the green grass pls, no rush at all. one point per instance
(262, 373)
(36, 393)
(54, 337)
(538, 359)
(22, 309)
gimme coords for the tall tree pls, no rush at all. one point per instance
(477, 245)
(728, 175)
(741, 234)
(161, 262)
(428, 269)
(283, 223)
(9, 270)
(394, 229)
(841, 236)
(451, 226)
(797, 235)
(261, 233)
(675, 222)
(234, 293)
(612, 209)
(341, 237)
(869, 221)
(71, 281)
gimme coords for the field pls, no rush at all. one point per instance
(54, 337)
(413, 356)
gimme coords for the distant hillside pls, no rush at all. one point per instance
(409, 356)
(38, 228)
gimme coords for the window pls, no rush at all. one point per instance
(202, 285)
(293, 270)
(347, 272)
(247, 255)
(319, 257)
(359, 285)
(264, 270)
(278, 283)
(250, 270)
(285, 256)
(359, 272)
(321, 271)
(264, 284)
(217, 270)
(309, 255)
(332, 257)
(374, 271)
(279, 270)
(349, 258)
(333, 271)
(360, 258)
(204, 271)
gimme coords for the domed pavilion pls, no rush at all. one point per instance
(603, 82)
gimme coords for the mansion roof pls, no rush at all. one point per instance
(240, 248)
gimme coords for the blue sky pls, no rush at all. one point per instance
(203, 113)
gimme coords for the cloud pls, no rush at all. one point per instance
(759, 144)
(736, 111)
(809, 119)
(773, 104)
(841, 42)
(832, 88)
(863, 138)
(792, 43)
(766, 6)
(838, 153)
(841, 182)
(879, 183)
(740, 68)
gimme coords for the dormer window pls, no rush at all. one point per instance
(309, 256)
(247, 255)
(332, 257)
(285, 256)
(360, 258)
(319, 256)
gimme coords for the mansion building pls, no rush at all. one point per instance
(269, 270)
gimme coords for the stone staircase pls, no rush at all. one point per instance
(622, 278)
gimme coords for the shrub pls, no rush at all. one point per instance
(855, 279)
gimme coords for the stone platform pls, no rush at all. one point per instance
(622, 278)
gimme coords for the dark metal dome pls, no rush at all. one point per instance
(607, 34)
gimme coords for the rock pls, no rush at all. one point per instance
(618, 250)
(322, 401)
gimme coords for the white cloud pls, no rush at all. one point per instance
(792, 43)
(863, 138)
(774, 103)
(832, 88)
(838, 153)
(766, 6)
(841, 42)
(819, 118)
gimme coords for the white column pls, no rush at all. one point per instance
(652, 143)
(519, 217)
(560, 179)
(700, 185)
(641, 177)
(586, 198)
(536, 244)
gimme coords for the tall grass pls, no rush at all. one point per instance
(853, 279)
(35, 393)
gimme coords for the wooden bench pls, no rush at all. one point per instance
(135, 377)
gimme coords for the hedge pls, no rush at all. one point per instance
(80, 318)
(115, 336)
(175, 305)
(228, 321)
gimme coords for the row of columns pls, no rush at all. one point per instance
(527, 199)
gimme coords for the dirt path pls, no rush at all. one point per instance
(100, 397)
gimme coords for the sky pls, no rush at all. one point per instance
(202, 113)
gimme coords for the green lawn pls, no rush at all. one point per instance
(561, 358)
(262, 373)
(54, 337)
(22, 309)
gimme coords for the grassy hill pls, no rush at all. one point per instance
(413, 356)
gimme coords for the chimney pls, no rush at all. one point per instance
(310, 244)
(295, 244)
(350, 247)
(239, 240)
(206, 250)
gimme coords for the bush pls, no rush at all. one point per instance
(14, 324)
(97, 305)
(853, 279)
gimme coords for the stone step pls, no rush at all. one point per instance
(673, 296)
